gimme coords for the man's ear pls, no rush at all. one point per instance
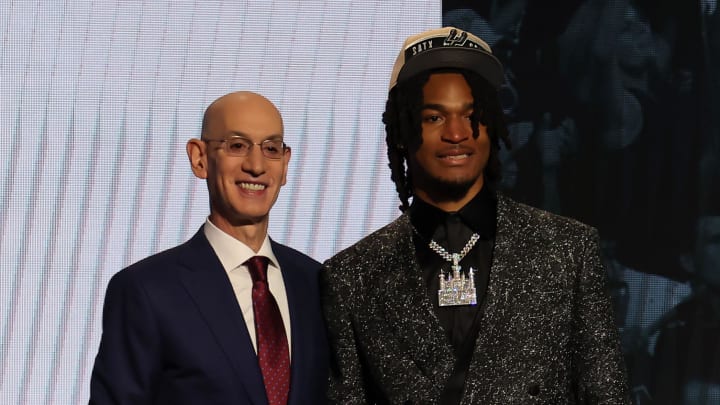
(197, 153)
(286, 158)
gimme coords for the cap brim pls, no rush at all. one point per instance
(475, 60)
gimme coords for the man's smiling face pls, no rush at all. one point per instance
(243, 188)
(449, 160)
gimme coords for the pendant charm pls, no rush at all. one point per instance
(456, 289)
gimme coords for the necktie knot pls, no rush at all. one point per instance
(257, 266)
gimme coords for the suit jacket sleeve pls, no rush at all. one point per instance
(600, 375)
(127, 359)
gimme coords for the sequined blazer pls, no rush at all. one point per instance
(547, 335)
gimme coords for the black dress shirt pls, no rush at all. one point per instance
(452, 231)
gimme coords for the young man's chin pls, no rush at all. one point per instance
(451, 189)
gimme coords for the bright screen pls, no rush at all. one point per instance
(98, 100)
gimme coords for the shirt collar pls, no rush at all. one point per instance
(479, 214)
(233, 253)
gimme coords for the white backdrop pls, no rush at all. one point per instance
(97, 101)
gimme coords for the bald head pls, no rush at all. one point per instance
(245, 103)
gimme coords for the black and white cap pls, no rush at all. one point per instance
(446, 47)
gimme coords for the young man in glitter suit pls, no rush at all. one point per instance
(468, 297)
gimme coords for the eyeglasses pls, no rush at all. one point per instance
(240, 146)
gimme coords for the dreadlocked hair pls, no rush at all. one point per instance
(403, 126)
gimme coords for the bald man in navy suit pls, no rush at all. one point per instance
(181, 326)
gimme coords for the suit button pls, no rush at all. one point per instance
(533, 389)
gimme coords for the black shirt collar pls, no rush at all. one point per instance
(479, 214)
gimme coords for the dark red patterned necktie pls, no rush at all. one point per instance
(272, 345)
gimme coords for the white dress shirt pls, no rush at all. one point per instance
(232, 254)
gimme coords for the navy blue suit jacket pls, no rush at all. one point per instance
(173, 333)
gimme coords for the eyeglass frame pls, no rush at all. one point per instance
(251, 144)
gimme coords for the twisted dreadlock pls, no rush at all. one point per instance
(403, 126)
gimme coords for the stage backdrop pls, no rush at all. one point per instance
(614, 116)
(97, 101)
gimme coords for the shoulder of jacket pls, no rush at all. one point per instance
(378, 244)
(524, 214)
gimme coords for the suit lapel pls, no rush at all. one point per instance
(206, 281)
(492, 338)
(418, 328)
(501, 274)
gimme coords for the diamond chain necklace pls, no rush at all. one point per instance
(456, 289)
(454, 258)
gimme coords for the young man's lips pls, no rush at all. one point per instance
(454, 153)
(455, 157)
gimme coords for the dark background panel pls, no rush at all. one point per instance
(614, 117)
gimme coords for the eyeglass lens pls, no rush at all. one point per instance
(271, 148)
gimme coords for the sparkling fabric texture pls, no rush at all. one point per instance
(273, 353)
(547, 334)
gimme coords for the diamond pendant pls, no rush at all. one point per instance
(456, 289)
